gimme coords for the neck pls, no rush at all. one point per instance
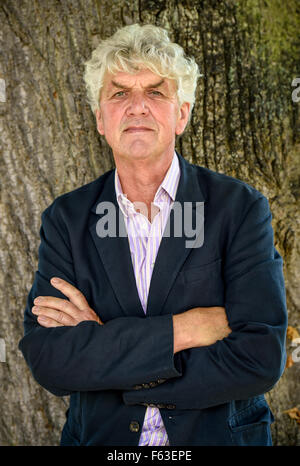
(141, 179)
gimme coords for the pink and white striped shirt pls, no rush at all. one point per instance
(144, 240)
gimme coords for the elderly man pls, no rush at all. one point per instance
(157, 342)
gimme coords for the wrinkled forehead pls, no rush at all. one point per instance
(143, 78)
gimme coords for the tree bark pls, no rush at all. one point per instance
(245, 124)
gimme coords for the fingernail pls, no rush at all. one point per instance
(55, 280)
(42, 318)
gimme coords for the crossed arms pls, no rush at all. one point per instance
(203, 362)
(193, 328)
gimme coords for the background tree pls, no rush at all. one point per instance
(245, 124)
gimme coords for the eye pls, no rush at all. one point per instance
(155, 93)
(119, 94)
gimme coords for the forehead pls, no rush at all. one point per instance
(142, 78)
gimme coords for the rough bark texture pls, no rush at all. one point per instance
(245, 124)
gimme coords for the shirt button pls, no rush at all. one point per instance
(134, 426)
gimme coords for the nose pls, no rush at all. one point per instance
(137, 104)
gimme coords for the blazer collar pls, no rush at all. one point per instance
(115, 254)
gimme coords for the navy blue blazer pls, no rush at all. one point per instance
(211, 395)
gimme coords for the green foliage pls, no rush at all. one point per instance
(276, 24)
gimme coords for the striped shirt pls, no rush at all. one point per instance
(144, 239)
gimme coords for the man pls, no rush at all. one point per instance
(158, 342)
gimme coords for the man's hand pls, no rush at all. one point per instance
(200, 326)
(57, 312)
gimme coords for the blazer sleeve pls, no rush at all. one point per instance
(117, 355)
(252, 358)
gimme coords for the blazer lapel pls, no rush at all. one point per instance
(115, 252)
(173, 250)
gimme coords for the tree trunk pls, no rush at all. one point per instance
(245, 124)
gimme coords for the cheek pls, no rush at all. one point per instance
(165, 117)
(110, 121)
(167, 126)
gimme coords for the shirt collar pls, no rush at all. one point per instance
(170, 181)
(169, 185)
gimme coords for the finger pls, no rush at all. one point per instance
(53, 314)
(74, 295)
(59, 304)
(48, 323)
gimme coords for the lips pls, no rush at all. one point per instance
(137, 129)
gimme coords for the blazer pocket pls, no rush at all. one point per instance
(251, 426)
(202, 285)
(68, 437)
(202, 272)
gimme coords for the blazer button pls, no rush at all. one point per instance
(134, 426)
(161, 381)
(152, 384)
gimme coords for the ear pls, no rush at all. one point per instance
(100, 126)
(183, 117)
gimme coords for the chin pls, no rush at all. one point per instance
(140, 156)
(140, 152)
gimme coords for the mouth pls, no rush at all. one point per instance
(137, 129)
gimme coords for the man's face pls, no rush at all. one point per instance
(139, 115)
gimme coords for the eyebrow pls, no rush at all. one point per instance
(150, 86)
